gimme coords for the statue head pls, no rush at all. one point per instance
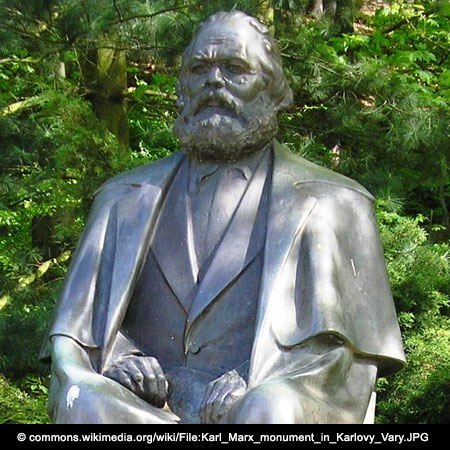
(231, 89)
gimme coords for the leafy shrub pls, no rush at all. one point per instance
(20, 407)
(419, 272)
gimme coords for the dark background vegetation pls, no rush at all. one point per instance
(87, 91)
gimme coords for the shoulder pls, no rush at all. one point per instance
(154, 173)
(305, 174)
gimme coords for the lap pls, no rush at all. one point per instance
(269, 403)
(99, 400)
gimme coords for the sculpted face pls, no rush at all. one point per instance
(227, 113)
(224, 64)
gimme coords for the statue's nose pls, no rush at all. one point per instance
(215, 77)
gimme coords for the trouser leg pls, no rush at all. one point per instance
(325, 395)
(270, 403)
(106, 402)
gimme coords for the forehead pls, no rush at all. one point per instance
(227, 40)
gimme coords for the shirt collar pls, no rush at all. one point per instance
(201, 171)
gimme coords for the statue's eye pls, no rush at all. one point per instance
(235, 69)
(199, 69)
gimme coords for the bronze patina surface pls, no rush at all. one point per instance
(231, 282)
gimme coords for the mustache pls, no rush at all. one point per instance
(215, 98)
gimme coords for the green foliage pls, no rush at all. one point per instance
(23, 406)
(372, 104)
(151, 116)
(419, 394)
(419, 272)
(22, 330)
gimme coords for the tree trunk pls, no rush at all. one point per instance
(339, 11)
(316, 7)
(265, 13)
(343, 15)
(41, 236)
(60, 71)
(104, 73)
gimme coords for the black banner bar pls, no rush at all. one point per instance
(319, 437)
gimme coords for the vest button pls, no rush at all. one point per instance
(194, 348)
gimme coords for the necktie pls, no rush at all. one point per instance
(230, 187)
(215, 195)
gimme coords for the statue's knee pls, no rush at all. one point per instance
(268, 403)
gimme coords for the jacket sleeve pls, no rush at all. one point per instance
(337, 286)
(330, 326)
(75, 312)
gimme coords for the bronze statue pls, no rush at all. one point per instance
(230, 282)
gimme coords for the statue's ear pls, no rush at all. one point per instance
(286, 101)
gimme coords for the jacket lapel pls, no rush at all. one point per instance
(288, 213)
(236, 249)
(131, 225)
(131, 231)
(173, 241)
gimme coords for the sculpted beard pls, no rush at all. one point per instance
(217, 127)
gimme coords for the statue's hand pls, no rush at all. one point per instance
(142, 375)
(220, 396)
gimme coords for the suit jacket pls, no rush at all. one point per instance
(322, 272)
(200, 313)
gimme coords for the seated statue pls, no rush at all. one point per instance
(232, 281)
